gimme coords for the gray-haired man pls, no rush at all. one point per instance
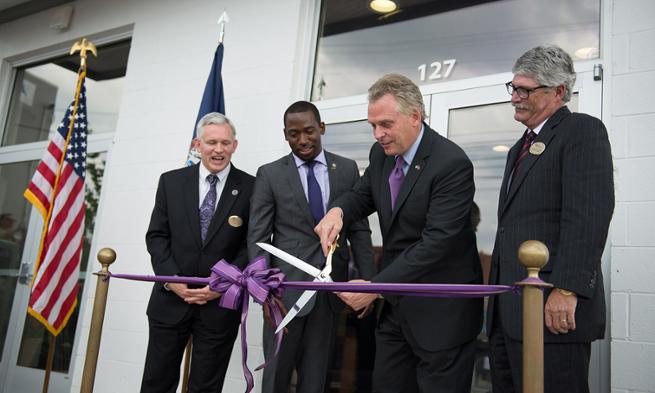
(558, 188)
(200, 217)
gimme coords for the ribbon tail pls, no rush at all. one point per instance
(277, 319)
(250, 383)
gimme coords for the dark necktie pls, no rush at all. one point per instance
(208, 206)
(525, 149)
(396, 180)
(314, 195)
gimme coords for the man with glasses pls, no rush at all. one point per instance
(558, 188)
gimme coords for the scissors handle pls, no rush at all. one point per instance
(328, 262)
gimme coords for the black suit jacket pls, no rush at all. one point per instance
(174, 242)
(563, 197)
(280, 215)
(428, 238)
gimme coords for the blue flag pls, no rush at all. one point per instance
(213, 99)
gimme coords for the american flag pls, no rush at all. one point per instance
(57, 191)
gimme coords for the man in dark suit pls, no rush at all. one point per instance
(290, 197)
(558, 188)
(421, 186)
(200, 217)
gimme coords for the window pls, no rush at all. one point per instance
(434, 41)
(42, 93)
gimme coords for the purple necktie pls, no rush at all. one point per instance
(208, 206)
(314, 196)
(396, 180)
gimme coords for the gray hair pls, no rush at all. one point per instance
(214, 118)
(405, 91)
(549, 66)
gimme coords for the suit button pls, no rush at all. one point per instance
(501, 229)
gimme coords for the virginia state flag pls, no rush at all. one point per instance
(213, 99)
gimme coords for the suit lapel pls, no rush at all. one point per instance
(293, 177)
(414, 171)
(545, 135)
(225, 202)
(333, 176)
(385, 192)
(509, 166)
(191, 202)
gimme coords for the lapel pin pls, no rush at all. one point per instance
(537, 148)
(417, 167)
(235, 221)
(333, 166)
(235, 192)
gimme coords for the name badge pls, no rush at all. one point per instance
(235, 221)
(537, 148)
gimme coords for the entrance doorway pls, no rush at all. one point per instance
(476, 114)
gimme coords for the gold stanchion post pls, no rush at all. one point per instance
(533, 255)
(106, 257)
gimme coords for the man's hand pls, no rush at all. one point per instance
(178, 288)
(559, 312)
(269, 318)
(358, 301)
(200, 295)
(366, 310)
(329, 227)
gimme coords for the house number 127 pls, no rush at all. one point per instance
(435, 70)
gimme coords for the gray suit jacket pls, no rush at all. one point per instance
(280, 215)
(563, 197)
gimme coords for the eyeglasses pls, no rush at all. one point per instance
(522, 92)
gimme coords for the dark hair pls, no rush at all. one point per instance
(300, 107)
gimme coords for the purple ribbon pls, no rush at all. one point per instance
(263, 284)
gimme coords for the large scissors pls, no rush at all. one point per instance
(319, 275)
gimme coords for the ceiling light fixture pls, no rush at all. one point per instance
(500, 148)
(587, 53)
(383, 6)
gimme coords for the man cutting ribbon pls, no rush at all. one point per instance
(421, 185)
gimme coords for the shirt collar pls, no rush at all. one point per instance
(320, 158)
(538, 128)
(222, 175)
(408, 156)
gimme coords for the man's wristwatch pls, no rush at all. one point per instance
(565, 292)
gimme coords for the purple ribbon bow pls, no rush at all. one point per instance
(263, 284)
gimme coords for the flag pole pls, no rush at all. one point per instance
(212, 99)
(48, 366)
(82, 47)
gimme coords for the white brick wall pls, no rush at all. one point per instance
(173, 43)
(632, 116)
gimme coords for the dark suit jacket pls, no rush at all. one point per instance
(280, 215)
(564, 198)
(174, 242)
(428, 238)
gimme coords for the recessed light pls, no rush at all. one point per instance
(586, 53)
(500, 148)
(383, 6)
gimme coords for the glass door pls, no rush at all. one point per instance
(23, 340)
(480, 120)
(476, 114)
(38, 98)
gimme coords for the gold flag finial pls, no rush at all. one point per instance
(83, 47)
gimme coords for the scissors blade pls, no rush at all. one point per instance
(290, 259)
(302, 301)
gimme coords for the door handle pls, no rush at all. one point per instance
(25, 273)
